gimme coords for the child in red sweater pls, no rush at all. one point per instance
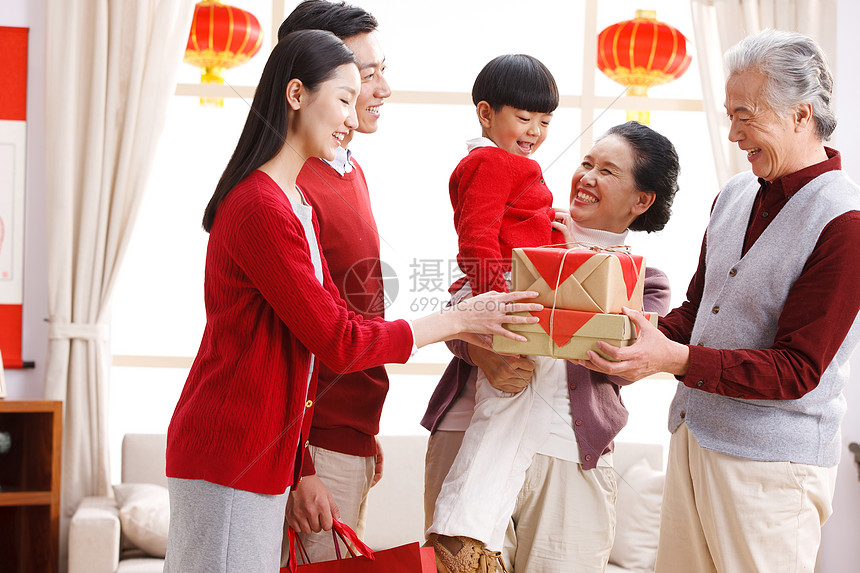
(498, 193)
(500, 202)
(236, 438)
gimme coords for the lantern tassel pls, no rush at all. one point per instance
(212, 75)
(643, 117)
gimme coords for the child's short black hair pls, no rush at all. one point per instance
(516, 80)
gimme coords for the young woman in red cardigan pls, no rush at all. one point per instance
(234, 444)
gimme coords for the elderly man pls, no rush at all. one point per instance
(761, 345)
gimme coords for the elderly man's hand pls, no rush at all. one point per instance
(651, 353)
(505, 372)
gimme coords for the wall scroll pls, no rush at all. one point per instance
(13, 146)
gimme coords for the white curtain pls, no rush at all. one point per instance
(720, 24)
(110, 69)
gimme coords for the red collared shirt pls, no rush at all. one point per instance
(817, 315)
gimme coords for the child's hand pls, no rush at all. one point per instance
(484, 341)
(564, 224)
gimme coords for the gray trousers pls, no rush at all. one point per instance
(218, 529)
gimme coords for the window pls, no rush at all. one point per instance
(158, 313)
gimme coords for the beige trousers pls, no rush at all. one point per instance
(728, 514)
(348, 478)
(564, 518)
(442, 448)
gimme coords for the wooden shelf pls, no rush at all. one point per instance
(25, 498)
(30, 485)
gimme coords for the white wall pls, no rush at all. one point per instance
(29, 383)
(841, 533)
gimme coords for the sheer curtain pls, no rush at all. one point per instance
(112, 66)
(718, 25)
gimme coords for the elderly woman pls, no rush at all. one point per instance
(564, 516)
(761, 345)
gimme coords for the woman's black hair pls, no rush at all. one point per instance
(516, 80)
(311, 56)
(655, 170)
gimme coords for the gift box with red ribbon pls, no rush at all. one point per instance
(589, 278)
(569, 333)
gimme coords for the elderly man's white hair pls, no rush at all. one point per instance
(796, 71)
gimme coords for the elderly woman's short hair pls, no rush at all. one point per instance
(796, 71)
(655, 170)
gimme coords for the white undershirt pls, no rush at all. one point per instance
(304, 213)
(342, 162)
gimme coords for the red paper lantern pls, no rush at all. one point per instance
(641, 53)
(221, 37)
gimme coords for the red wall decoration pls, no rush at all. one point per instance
(13, 133)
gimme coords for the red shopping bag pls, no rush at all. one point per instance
(409, 558)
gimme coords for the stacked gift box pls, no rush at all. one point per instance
(583, 291)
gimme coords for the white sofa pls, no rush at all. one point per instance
(97, 543)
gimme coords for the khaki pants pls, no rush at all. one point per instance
(442, 448)
(564, 518)
(348, 478)
(728, 514)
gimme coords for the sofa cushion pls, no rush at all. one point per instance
(141, 565)
(640, 493)
(144, 515)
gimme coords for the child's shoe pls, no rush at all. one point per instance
(463, 555)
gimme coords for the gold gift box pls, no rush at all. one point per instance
(591, 279)
(573, 333)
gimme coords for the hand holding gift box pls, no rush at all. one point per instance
(570, 333)
(588, 278)
(584, 290)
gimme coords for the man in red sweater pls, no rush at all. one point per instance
(343, 460)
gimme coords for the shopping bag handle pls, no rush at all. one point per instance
(302, 551)
(349, 537)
